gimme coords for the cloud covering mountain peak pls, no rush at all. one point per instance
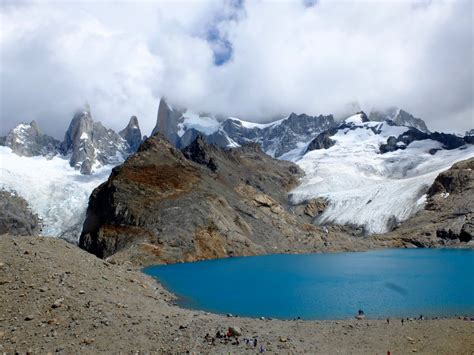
(255, 60)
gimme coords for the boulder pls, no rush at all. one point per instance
(315, 206)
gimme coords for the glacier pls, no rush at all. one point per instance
(58, 193)
(367, 188)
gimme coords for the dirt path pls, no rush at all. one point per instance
(55, 297)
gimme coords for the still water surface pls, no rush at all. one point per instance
(383, 283)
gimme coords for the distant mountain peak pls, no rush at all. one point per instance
(399, 117)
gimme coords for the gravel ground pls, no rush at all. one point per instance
(54, 297)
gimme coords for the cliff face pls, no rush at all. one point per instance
(166, 205)
(448, 217)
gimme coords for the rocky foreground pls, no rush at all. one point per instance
(55, 297)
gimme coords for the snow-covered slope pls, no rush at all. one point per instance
(54, 190)
(365, 187)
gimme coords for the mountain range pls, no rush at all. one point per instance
(368, 173)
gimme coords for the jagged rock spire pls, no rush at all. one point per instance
(167, 121)
(132, 134)
(90, 143)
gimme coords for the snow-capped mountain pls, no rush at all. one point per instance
(27, 140)
(366, 183)
(182, 126)
(56, 179)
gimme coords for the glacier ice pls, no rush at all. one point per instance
(367, 188)
(56, 192)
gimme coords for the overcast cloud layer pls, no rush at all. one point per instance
(255, 60)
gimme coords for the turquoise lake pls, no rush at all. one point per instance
(383, 283)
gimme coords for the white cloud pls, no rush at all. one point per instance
(285, 56)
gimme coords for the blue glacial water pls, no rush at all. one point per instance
(383, 283)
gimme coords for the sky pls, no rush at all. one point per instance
(257, 60)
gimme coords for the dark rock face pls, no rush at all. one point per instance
(90, 143)
(197, 151)
(449, 141)
(166, 205)
(400, 118)
(448, 217)
(27, 140)
(323, 140)
(15, 216)
(132, 134)
(296, 128)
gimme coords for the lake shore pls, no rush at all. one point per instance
(55, 297)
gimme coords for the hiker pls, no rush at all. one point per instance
(402, 321)
(262, 349)
(207, 337)
(361, 312)
(255, 342)
(388, 321)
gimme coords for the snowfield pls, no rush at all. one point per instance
(55, 191)
(367, 188)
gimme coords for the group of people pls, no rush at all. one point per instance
(226, 337)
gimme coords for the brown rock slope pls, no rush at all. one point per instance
(166, 205)
(448, 217)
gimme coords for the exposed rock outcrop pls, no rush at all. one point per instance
(315, 207)
(16, 217)
(323, 140)
(448, 217)
(449, 141)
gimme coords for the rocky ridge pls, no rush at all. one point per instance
(449, 141)
(167, 205)
(399, 117)
(276, 138)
